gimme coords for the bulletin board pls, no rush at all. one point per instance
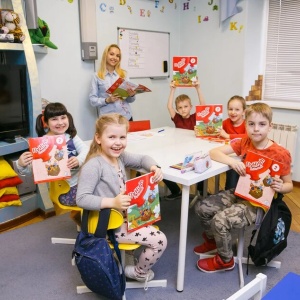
(144, 53)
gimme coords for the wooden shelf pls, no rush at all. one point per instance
(37, 48)
(40, 48)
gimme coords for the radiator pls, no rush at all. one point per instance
(286, 136)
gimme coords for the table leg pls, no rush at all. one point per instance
(182, 237)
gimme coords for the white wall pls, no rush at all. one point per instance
(227, 58)
(64, 77)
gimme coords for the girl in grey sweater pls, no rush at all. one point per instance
(102, 185)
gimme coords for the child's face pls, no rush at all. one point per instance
(113, 57)
(235, 111)
(258, 128)
(58, 125)
(113, 141)
(184, 108)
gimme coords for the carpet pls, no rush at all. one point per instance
(31, 268)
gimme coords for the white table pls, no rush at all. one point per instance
(169, 147)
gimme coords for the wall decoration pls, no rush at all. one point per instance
(228, 8)
(234, 26)
(129, 8)
(205, 19)
(199, 19)
(122, 2)
(211, 2)
(256, 90)
(186, 5)
(142, 12)
(215, 7)
(171, 1)
(111, 9)
(162, 9)
(102, 7)
(70, 1)
(156, 3)
(148, 13)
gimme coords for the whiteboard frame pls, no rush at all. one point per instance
(163, 76)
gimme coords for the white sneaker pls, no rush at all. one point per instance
(132, 274)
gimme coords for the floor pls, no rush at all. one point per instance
(291, 199)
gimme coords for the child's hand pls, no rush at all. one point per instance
(239, 167)
(196, 83)
(172, 85)
(25, 159)
(224, 134)
(158, 175)
(196, 131)
(277, 184)
(122, 201)
(72, 162)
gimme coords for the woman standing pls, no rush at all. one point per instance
(109, 71)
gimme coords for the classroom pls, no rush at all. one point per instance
(231, 57)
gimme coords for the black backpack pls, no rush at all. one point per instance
(97, 265)
(272, 234)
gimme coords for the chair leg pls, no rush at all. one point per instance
(63, 241)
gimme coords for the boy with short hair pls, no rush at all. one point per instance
(221, 213)
(182, 118)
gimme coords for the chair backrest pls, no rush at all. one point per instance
(253, 290)
(139, 125)
(57, 188)
(115, 220)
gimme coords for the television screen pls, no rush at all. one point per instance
(14, 116)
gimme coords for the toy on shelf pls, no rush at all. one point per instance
(10, 25)
(41, 35)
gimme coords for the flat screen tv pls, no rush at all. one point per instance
(14, 116)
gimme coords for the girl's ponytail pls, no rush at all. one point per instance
(40, 125)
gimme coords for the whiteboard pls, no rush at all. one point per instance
(144, 53)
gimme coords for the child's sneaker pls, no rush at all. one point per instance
(173, 196)
(209, 246)
(132, 274)
(214, 264)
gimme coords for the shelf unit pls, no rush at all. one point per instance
(16, 52)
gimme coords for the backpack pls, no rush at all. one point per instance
(96, 263)
(272, 235)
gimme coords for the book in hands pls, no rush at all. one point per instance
(184, 70)
(144, 208)
(50, 157)
(120, 87)
(209, 120)
(256, 185)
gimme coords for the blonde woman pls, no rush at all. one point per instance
(109, 71)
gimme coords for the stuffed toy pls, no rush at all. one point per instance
(41, 35)
(11, 21)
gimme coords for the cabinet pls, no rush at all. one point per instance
(25, 53)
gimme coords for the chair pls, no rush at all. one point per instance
(139, 125)
(115, 221)
(56, 188)
(253, 290)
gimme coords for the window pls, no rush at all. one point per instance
(282, 70)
